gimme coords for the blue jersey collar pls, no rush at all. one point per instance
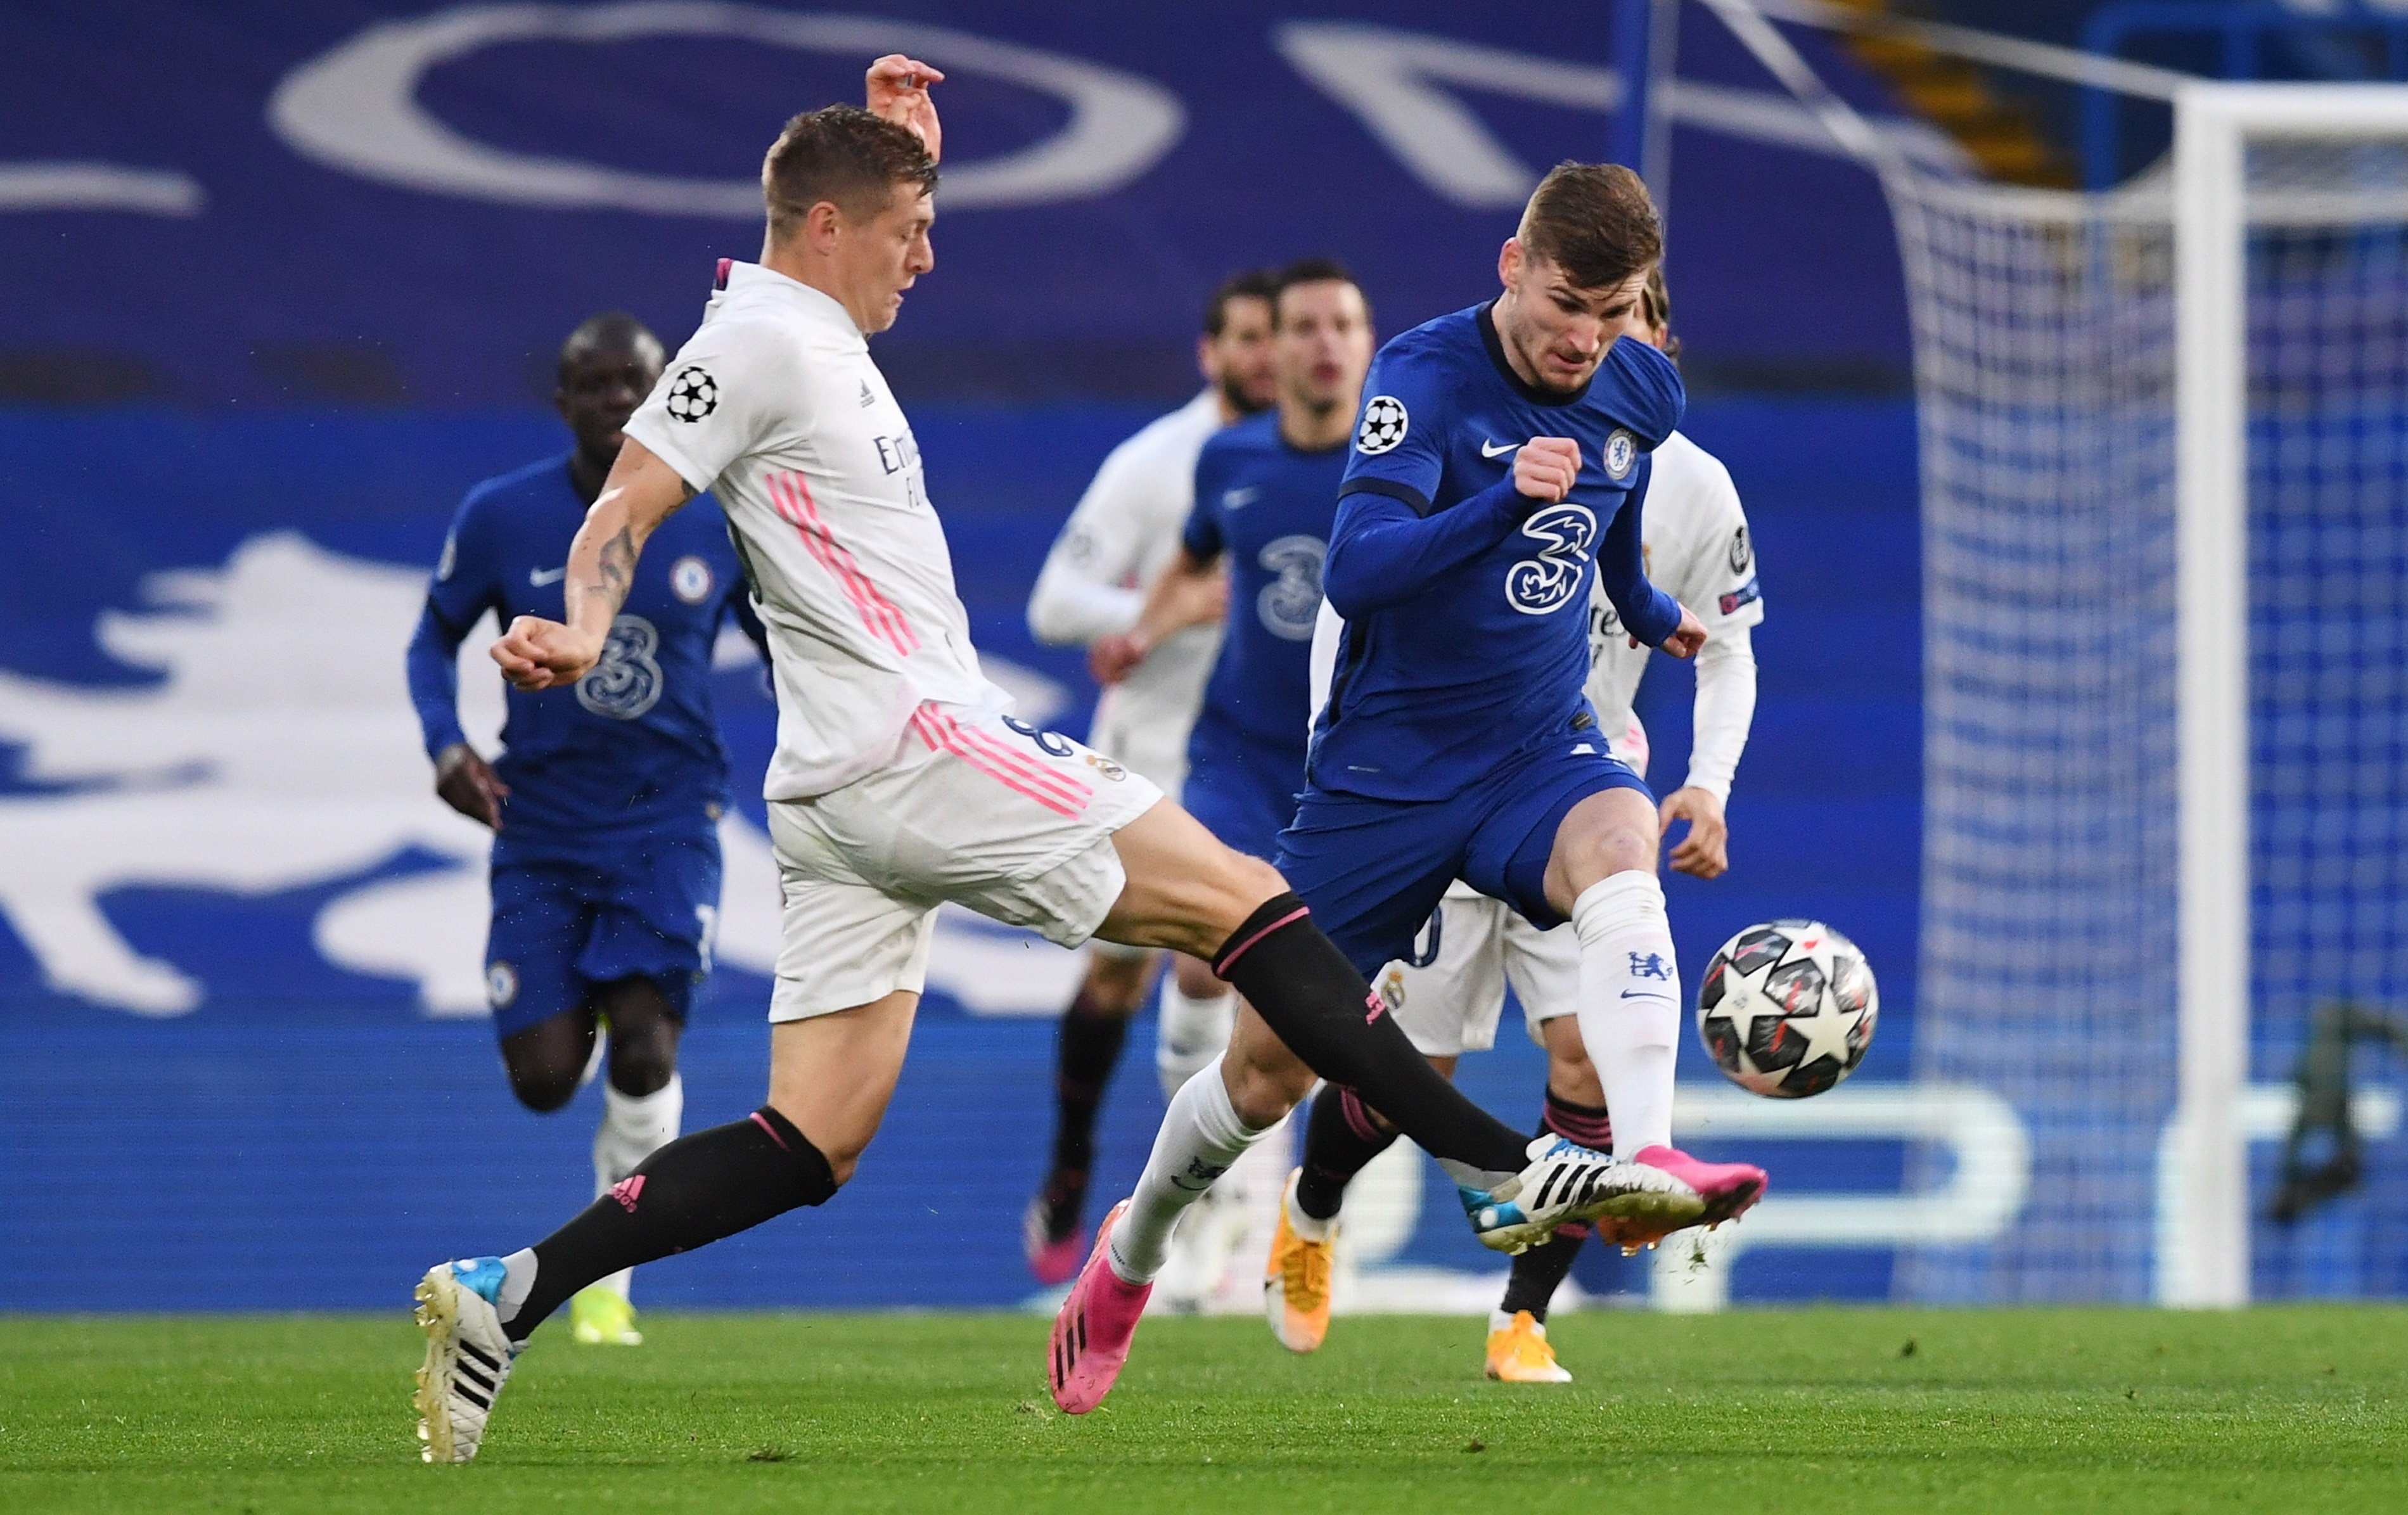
(1532, 392)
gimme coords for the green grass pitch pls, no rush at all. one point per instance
(2293, 1408)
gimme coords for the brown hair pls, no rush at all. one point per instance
(1594, 221)
(1655, 304)
(1311, 271)
(1253, 284)
(843, 155)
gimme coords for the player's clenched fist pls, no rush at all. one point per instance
(1545, 468)
(1687, 637)
(535, 653)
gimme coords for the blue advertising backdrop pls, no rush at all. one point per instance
(294, 287)
(217, 769)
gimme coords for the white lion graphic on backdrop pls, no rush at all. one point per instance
(273, 755)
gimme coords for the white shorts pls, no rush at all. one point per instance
(1144, 742)
(1453, 1005)
(1013, 822)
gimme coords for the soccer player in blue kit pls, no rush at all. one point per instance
(605, 802)
(1266, 491)
(1499, 467)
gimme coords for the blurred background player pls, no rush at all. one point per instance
(1090, 592)
(1250, 563)
(605, 802)
(1448, 997)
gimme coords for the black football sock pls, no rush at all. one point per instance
(1085, 1051)
(1340, 1138)
(1304, 989)
(690, 1193)
(1541, 1271)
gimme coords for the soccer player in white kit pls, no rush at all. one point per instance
(1110, 553)
(900, 782)
(1697, 550)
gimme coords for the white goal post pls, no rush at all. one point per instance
(2204, 1245)
(2164, 437)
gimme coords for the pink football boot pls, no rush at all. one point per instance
(1728, 1189)
(1093, 1332)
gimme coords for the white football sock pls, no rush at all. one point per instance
(1630, 1003)
(518, 1281)
(1201, 1136)
(634, 1128)
(1189, 1033)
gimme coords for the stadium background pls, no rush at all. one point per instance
(244, 381)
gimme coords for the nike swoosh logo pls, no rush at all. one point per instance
(1492, 450)
(1633, 994)
(1237, 499)
(540, 577)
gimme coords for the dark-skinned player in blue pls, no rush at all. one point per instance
(1266, 491)
(604, 802)
(1499, 469)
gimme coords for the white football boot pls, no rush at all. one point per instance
(1567, 1181)
(468, 1356)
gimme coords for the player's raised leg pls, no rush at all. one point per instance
(1307, 1012)
(1601, 873)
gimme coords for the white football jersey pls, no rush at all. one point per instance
(1122, 535)
(1694, 536)
(776, 408)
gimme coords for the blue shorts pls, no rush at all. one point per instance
(1374, 870)
(644, 907)
(1241, 788)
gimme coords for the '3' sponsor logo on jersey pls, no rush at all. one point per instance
(1547, 582)
(1290, 603)
(626, 682)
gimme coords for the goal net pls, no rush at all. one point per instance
(2165, 461)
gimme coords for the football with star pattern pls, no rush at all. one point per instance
(1787, 1009)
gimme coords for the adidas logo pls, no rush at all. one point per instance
(867, 399)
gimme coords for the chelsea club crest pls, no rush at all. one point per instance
(1620, 452)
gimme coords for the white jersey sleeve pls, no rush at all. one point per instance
(735, 389)
(1124, 532)
(1122, 535)
(1698, 551)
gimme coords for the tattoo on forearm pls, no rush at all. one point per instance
(618, 561)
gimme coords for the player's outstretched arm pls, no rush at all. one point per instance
(641, 492)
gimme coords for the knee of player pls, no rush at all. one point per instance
(543, 1088)
(1246, 883)
(1116, 981)
(1262, 1087)
(642, 1064)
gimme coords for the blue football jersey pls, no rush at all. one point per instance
(1268, 507)
(634, 743)
(1466, 603)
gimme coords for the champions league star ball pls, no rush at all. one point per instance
(693, 393)
(1787, 1008)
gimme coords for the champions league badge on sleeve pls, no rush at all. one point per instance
(693, 393)
(1383, 426)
